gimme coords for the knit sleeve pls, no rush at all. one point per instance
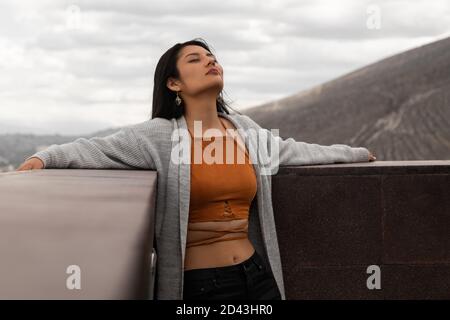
(120, 150)
(291, 152)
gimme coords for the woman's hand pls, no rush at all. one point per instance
(371, 157)
(31, 164)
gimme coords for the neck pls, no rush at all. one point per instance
(202, 108)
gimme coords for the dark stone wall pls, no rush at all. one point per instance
(333, 221)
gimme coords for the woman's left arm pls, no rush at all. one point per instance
(291, 152)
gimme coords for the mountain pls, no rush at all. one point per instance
(398, 107)
(15, 148)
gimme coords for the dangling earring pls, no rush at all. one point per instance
(177, 100)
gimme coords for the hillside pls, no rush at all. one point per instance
(398, 107)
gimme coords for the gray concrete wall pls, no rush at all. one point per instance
(98, 220)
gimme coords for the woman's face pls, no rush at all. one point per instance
(193, 64)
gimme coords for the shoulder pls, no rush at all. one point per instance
(152, 129)
(152, 125)
(245, 121)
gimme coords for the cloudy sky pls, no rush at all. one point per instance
(75, 67)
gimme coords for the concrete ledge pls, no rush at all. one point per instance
(99, 220)
(333, 221)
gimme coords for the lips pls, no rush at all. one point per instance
(213, 71)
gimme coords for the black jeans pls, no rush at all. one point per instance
(248, 280)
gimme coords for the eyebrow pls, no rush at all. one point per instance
(196, 53)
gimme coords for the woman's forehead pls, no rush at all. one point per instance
(192, 49)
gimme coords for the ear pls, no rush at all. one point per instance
(172, 84)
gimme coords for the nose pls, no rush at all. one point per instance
(212, 60)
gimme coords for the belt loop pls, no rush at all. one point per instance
(216, 272)
(257, 261)
(246, 265)
(215, 277)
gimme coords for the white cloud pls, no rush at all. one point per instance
(77, 67)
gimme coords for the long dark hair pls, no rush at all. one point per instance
(163, 98)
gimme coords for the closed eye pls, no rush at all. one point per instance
(215, 60)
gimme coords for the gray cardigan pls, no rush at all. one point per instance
(149, 145)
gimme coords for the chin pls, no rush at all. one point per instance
(217, 84)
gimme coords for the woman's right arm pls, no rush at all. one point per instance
(120, 150)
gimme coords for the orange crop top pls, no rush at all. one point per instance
(221, 193)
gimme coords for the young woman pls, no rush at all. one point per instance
(215, 234)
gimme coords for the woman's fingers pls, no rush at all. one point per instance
(31, 164)
(23, 168)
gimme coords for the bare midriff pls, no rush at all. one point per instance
(219, 253)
